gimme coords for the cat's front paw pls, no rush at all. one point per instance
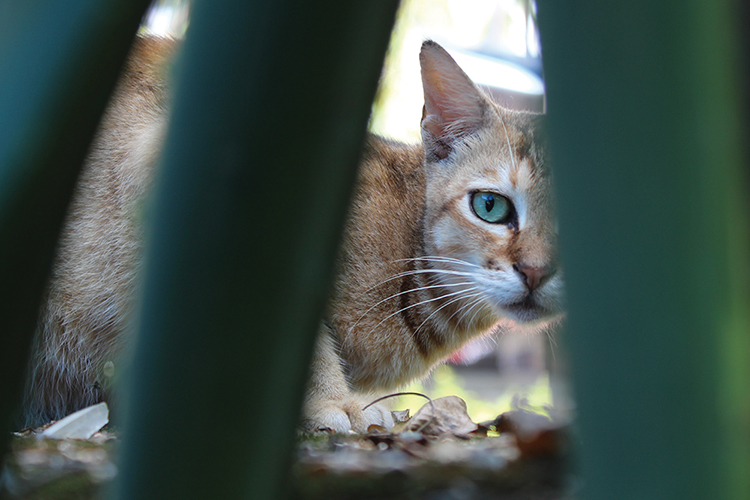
(345, 415)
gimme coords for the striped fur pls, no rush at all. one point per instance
(419, 273)
(90, 296)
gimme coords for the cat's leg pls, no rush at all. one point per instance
(329, 403)
(71, 364)
(55, 390)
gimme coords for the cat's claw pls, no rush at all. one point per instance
(346, 415)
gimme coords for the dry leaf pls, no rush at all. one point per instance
(450, 418)
(536, 435)
(376, 429)
(400, 416)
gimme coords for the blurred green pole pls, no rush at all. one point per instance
(58, 63)
(647, 139)
(271, 109)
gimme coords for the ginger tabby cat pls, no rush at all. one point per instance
(444, 241)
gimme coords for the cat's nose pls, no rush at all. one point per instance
(533, 276)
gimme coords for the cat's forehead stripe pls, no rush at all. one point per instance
(513, 177)
(525, 178)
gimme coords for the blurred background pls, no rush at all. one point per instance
(496, 42)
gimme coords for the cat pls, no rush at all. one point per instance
(444, 241)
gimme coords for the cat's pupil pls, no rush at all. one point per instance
(489, 202)
(491, 207)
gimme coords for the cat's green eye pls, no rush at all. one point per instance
(491, 207)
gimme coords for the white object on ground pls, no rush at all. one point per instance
(79, 425)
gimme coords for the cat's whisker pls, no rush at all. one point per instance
(510, 149)
(415, 305)
(476, 302)
(419, 271)
(479, 302)
(432, 270)
(477, 299)
(552, 343)
(438, 310)
(447, 304)
(548, 332)
(461, 309)
(418, 289)
(469, 294)
(465, 311)
(441, 259)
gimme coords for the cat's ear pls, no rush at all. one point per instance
(453, 106)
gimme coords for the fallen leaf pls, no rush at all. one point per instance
(376, 429)
(536, 435)
(400, 416)
(450, 418)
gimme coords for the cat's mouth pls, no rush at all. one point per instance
(528, 310)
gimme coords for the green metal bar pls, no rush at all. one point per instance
(271, 108)
(646, 135)
(58, 62)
